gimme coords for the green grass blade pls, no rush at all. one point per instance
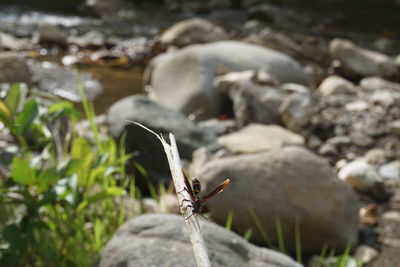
(259, 226)
(229, 220)
(247, 235)
(163, 191)
(90, 114)
(279, 235)
(122, 154)
(297, 240)
(345, 256)
(322, 255)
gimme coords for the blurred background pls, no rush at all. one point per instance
(297, 102)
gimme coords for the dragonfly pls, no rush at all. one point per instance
(196, 202)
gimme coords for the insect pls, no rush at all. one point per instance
(197, 203)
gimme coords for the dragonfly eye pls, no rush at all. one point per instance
(196, 186)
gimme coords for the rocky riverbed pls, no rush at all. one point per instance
(299, 106)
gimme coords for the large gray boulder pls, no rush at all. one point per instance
(289, 184)
(146, 147)
(161, 240)
(183, 79)
(360, 61)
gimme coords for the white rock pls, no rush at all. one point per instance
(265, 78)
(381, 91)
(394, 127)
(183, 79)
(362, 61)
(295, 88)
(397, 59)
(358, 105)
(375, 156)
(10, 42)
(384, 97)
(377, 84)
(69, 60)
(251, 101)
(365, 254)
(296, 111)
(391, 215)
(91, 38)
(50, 33)
(225, 82)
(257, 137)
(192, 31)
(390, 170)
(335, 85)
(359, 174)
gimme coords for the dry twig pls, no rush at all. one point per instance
(192, 224)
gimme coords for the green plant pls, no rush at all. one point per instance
(229, 220)
(64, 197)
(324, 260)
(259, 226)
(297, 241)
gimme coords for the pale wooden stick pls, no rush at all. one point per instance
(192, 224)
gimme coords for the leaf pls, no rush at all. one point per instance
(13, 235)
(47, 178)
(96, 173)
(27, 116)
(5, 115)
(21, 172)
(85, 170)
(80, 148)
(72, 167)
(64, 108)
(14, 97)
(115, 191)
(109, 192)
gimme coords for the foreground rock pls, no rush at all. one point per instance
(161, 240)
(291, 185)
(183, 80)
(14, 68)
(162, 121)
(192, 31)
(362, 61)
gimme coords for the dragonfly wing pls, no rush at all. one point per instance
(217, 190)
